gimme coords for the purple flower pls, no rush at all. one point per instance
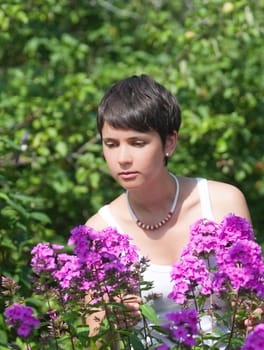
(229, 258)
(21, 317)
(193, 268)
(24, 330)
(183, 326)
(107, 258)
(68, 270)
(233, 228)
(203, 237)
(241, 266)
(102, 258)
(81, 236)
(43, 259)
(255, 339)
(162, 347)
(187, 274)
(57, 247)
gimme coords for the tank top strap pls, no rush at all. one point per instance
(107, 216)
(205, 198)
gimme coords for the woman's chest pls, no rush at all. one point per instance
(163, 249)
(164, 246)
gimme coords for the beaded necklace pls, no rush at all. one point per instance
(152, 227)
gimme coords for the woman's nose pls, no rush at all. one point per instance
(124, 155)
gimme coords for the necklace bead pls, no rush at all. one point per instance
(156, 226)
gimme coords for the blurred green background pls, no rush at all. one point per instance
(57, 58)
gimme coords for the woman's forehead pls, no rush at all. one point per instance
(110, 131)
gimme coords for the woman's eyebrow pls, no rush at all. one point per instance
(108, 138)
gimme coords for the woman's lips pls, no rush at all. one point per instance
(128, 175)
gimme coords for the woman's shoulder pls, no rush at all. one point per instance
(224, 191)
(226, 198)
(97, 220)
(217, 189)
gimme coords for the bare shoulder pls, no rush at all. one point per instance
(226, 198)
(96, 222)
(116, 206)
(225, 191)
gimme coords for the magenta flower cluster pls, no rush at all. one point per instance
(239, 258)
(219, 258)
(21, 318)
(44, 257)
(103, 262)
(182, 327)
(98, 257)
(255, 340)
(105, 254)
(241, 267)
(195, 273)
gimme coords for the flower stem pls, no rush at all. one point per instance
(197, 309)
(233, 322)
(52, 322)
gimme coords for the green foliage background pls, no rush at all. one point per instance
(57, 58)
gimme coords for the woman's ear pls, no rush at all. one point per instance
(170, 144)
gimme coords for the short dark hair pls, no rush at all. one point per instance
(141, 104)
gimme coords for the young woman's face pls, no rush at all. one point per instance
(132, 157)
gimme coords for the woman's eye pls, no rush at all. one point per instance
(139, 143)
(110, 144)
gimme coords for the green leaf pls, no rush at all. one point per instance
(149, 313)
(4, 196)
(62, 148)
(19, 208)
(135, 342)
(41, 217)
(82, 334)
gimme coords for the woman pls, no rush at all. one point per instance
(139, 122)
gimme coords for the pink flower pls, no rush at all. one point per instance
(69, 270)
(107, 257)
(188, 273)
(233, 228)
(255, 339)
(43, 259)
(203, 237)
(240, 265)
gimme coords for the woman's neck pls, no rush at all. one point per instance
(154, 206)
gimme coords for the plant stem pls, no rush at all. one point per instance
(52, 322)
(69, 325)
(197, 309)
(233, 322)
